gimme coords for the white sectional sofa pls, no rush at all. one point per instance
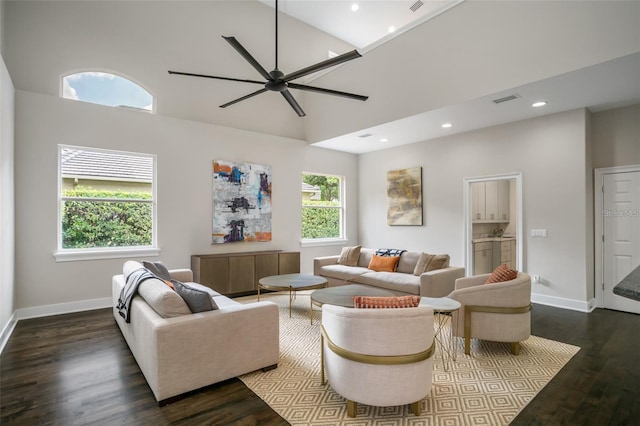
(179, 351)
(437, 283)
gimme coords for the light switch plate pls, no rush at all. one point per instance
(539, 233)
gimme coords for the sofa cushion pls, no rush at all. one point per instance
(501, 274)
(166, 302)
(396, 281)
(349, 256)
(407, 262)
(342, 272)
(158, 269)
(198, 300)
(430, 262)
(385, 302)
(383, 263)
(365, 257)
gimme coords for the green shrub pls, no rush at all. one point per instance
(87, 224)
(320, 222)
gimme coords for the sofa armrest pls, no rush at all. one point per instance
(319, 262)
(441, 282)
(183, 275)
(473, 281)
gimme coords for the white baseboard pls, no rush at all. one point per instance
(560, 302)
(6, 331)
(63, 308)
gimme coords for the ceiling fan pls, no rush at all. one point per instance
(277, 81)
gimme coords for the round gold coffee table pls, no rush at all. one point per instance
(292, 283)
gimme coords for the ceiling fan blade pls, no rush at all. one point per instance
(250, 95)
(327, 91)
(289, 97)
(246, 55)
(216, 77)
(322, 65)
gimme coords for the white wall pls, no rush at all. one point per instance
(550, 153)
(7, 253)
(185, 151)
(616, 137)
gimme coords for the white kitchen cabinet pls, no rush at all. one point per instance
(477, 200)
(503, 200)
(490, 201)
(482, 258)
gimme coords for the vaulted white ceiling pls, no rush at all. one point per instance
(448, 68)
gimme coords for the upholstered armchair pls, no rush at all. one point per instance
(379, 357)
(499, 312)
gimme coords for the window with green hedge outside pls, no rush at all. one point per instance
(106, 199)
(322, 207)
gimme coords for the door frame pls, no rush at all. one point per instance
(598, 218)
(468, 220)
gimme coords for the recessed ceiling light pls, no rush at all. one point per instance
(392, 29)
(355, 7)
(539, 104)
(447, 125)
(384, 140)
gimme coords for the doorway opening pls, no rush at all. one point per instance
(493, 222)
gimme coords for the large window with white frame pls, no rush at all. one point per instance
(322, 207)
(106, 203)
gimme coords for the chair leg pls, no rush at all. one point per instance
(351, 408)
(515, 348)
(415, 408)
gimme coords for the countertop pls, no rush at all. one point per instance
(629, 287)
(487, 239)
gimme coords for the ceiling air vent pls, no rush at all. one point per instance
(365, 135)
(506, 98)
(416, 5)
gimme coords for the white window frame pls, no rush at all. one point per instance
(64, 255)
(341, 240)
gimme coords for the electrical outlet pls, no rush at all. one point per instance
(536, 279)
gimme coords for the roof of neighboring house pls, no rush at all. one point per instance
(105, 165)
(309, 188)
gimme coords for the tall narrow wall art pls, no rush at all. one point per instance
(241, 202)
(404, 196)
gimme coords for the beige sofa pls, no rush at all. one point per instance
(438, 283)
(181, 351)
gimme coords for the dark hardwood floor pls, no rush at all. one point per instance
(76, 369)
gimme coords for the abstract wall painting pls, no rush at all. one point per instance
(241, 202)
(404, 196)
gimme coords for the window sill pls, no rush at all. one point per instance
(104, 253)
(323, 242)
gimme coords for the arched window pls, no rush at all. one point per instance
(106, 89)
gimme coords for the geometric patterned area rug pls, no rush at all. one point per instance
(488, 387)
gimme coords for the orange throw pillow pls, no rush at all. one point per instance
(385, 302)
(384, 263)
(500, 274)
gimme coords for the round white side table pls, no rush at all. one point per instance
(443, 308)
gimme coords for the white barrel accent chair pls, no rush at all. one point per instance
(499, 312)
(378, 357)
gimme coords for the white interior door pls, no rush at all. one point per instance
(621, 229)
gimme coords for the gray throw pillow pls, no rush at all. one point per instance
(158, 269)
(196, 299)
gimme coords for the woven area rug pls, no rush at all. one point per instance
(489, 387)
